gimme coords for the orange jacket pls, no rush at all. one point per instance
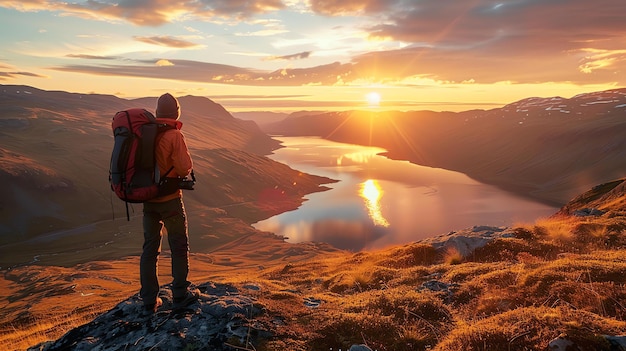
(171, 151)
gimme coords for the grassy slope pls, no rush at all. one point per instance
(559, 275)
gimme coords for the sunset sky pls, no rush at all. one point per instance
(318, 54)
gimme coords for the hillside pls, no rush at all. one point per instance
(550, 149)
(557, 282)
(54, 163)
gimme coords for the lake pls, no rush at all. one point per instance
(379, 202)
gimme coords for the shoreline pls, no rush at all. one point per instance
(528, 190)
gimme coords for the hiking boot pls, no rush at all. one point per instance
(190, 297)
(152, 307)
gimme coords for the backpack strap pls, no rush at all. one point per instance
(168, 172)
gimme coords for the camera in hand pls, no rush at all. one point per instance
(169, 185)
(186, 184)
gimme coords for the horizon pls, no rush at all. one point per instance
(380, 108)
(295, 55)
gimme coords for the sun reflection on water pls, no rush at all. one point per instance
(359, 157)
(371, 192)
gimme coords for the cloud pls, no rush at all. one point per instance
(192, 30)
(167, 41)
(91, 57)
(351, 7)
(15, 74)
(440, 65)
(164, 63)
(262, 33)
(447, 22)
(243, 8)
(195, 71)
(524, 41)
(247, 96)
(598, 59)
(298, 56)
(8, 72)
(149, 12)
(458, 66)
(478, 41)
(519, 41)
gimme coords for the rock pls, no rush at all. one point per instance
(434, 285)
(220, 316)
(561, 343)
(253, 287)
(444, 290)
(585, 212)
(617, 342)
(564, 343)
(486, 230)
(467, 240)
(359, 348)
(312, 302)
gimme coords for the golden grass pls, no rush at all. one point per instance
(530, 329)
(452, 255)
(559, 230)
(556, 276)
(35, 331)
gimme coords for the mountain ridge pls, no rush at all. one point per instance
(549, 149)
(56, 150)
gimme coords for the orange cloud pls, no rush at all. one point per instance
(187, 70)
(91, 57)
(10, 75)
(351, 7)
(148, 12)
(476, 41)
(168, 41)
(298, 56)
(524, 42)
(164, 63)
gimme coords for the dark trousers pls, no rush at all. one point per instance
(170, 214)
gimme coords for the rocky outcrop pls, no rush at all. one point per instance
(221, 320)
(603, 198)
(467, 240)
(225, 318)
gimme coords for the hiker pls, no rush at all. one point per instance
(167, 211)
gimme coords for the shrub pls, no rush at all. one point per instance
(452, 256)
(411, 255)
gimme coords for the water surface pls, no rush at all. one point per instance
(380, 202)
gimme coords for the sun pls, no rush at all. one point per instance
(373, 99)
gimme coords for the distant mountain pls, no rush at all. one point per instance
(261, 117)
(265, 117)
(548, 148)
(56, 147)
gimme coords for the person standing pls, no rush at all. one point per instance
(167, 211)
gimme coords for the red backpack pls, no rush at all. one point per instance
(134, 173)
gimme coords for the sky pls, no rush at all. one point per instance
(290, 55)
